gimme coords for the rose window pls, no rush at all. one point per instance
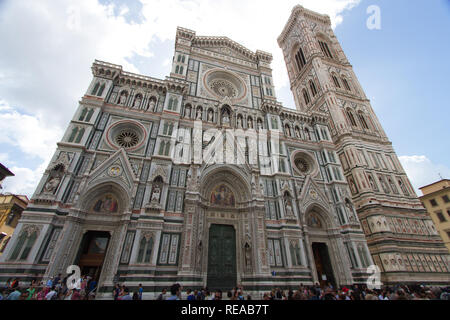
(302, 165)
(127, 139)
(223, 88)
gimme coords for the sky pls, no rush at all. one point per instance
(49, 46)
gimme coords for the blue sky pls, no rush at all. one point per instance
(45, 70)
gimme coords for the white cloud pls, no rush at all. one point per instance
(52, 44)
(422, 171)
(24, 181)
(28, 133)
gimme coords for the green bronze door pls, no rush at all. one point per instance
(221, 257)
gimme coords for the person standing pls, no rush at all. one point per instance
(52, 295)
(140, 291)
(15, 295)
(162, 295)
(175, 292)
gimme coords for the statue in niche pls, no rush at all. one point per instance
(152, 105)
(297, 132)
(54, 179)
(156, 191)
(199, 114)
(123, 98)
(288, 206)
(210, 115)
(239, 122)
(250, 123)
(187, 112)
(199, 254)
(260, 125)
(351, 210)
(137, 101)
(248, 256)
(287, 130)
(226, 117)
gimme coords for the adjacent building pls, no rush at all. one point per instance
(436, 199)
(204, 178)
(11, 207)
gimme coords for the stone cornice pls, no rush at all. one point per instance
(299, 10)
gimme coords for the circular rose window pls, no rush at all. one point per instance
(127, 139)
(224, 88)
(304, 163)
(222, 83)
(126, 134)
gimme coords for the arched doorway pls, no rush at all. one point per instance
(92, 253)
(224, 229)
(322, 246)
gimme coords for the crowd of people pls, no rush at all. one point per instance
(317, 292)
(56, 288)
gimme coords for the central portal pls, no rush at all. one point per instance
(222, 258)
(323, 264)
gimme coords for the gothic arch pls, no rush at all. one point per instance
(235, 179)
(322, 213)
(87, 200)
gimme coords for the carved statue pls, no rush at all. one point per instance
(250, 123)
(156, 194)
(52, 184)
(187, 112)
(297, 132)
(123, 98)
(199, 114)
(152, 105)
(259, 124)
(137, 102)
(288, 205)
(210, 116)
(225, 117)
(239, 122)
(248, 256)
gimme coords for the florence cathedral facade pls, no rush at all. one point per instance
(205, 179)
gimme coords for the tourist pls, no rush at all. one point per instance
(126, 295)
(140, 291)
(15, 295)
(190, 295)
(175, 292)
(116, 291)
(52, 295)
(162, 295)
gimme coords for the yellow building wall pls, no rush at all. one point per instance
(437, 191)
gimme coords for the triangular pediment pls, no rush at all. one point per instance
(312, 194)
(116, 168)
(225, 46)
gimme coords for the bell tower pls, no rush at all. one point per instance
(322, 79)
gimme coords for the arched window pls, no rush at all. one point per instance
(363, 256)
(325, 49)
(336, 81)
(403, 187)
(73, 135)
(312, 86)
(167, 149)
(80, 135)
(24, 245)
(307, 134)
(171, 104)
(346, 85)
(300, 59)
(363, 120)
(89, 115)
(83, 114)
(306, 96)
(161, 148)
(94, 91)
(181, 70)
(177, 69)
(100, 92)
(145, 250)
(351, 117)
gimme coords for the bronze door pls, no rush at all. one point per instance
(222, 258)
